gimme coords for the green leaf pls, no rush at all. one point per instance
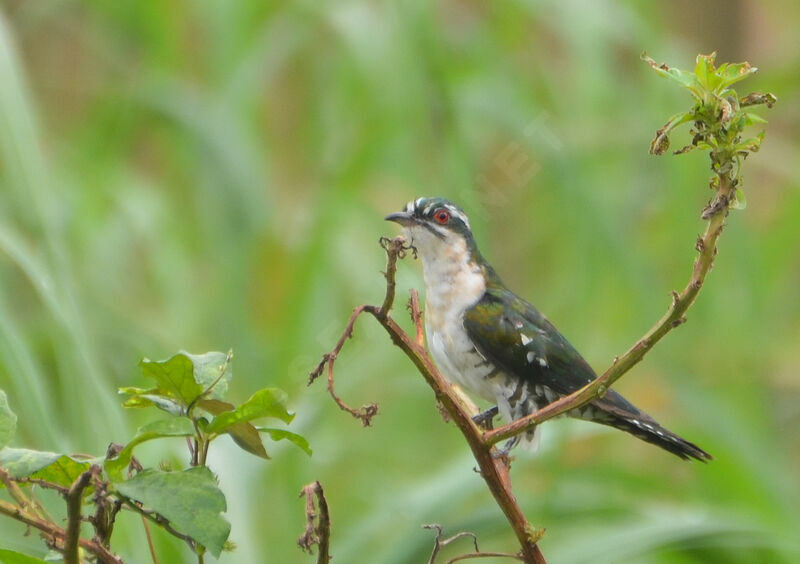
(705, 72)
(660, 143)
(280, 434)
(752, 144)
(190, 500)
(269, 402)
(687, 79)
(739, 202)
(243, 434)
(215, 406)
(754, 118)
(50, 466)
(182, 379)
(13, 557)
(733, 73)
(175, 377)
(173, 427)
(248, 438)
(159, 401)
(8, 421)
(213, 371)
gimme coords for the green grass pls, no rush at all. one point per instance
(213, 175)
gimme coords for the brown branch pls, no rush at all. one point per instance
(416, 316)
(320, 533)
(674, 317)
(74, 503)
(105, 514)
(494, 470)
(57, 534)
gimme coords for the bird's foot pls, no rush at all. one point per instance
(484, 419)
(503, 452)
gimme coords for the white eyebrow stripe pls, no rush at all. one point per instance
(456, 212)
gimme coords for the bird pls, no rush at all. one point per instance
(491, 342)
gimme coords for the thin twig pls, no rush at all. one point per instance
(439, 543)
(149, 536)
(158, 519)
(366, 412)
(476, 555)
(42, 484)
(320, 533)
(674, 317)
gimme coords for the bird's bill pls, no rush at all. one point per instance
(403, 218)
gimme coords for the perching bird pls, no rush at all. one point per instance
(490, 341)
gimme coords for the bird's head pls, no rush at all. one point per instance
(435, 226)
(440, 232)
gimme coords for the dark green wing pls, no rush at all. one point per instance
(513, 335)
(520, 341)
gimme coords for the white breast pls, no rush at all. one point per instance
(453, 284)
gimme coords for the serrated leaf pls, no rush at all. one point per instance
(8, 421)
(50, 466)
(269, 402)
(280, 434)
(213, 371)
(173, 427)
(190, 500)
(13, 557)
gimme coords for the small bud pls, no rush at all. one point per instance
(660, 144)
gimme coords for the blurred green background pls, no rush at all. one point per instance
(210, 175)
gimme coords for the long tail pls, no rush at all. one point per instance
(617, 412)
(645, 428)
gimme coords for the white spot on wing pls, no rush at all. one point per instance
(525, 339)
(530, 357)
(542, 361)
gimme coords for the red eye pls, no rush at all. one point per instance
(441, 216)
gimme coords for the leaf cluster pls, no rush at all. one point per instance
(187, 503)
(719, 116)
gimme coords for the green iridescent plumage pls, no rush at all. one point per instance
(490, 340)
